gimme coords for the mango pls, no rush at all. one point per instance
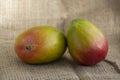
(86, 43)
(40, 45)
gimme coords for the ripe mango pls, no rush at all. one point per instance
(41, 44)
(86, 43)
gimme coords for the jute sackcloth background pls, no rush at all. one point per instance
(18, 15)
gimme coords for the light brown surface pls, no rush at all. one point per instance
(18, 15)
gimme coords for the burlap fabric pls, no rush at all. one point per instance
(18, 15)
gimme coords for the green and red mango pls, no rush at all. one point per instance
(40, 44)
(86, 43)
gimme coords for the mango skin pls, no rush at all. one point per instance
(40, 45)
(86, 43)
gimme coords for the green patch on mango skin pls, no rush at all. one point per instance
(86, 31)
